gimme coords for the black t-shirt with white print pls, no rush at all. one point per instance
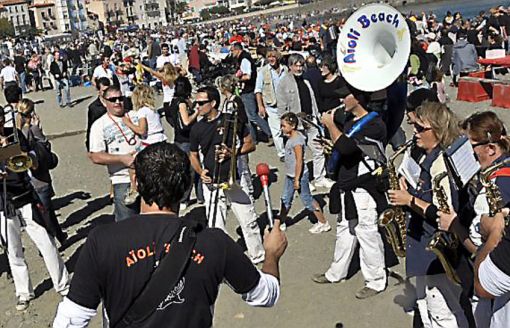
(205, 135)
(118, 259)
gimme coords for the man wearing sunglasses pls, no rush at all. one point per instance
(208, 136)
(113, 144)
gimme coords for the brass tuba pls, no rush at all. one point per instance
(494, 198)
(393, 219)
(445, 244)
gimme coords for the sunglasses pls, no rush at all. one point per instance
(420, 128)
(482, 143)
(201, 102)
(115, 99)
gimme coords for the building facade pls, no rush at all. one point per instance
(43, 17)
(109, 12)
(16, 11)
(66, 15)
(150, 13)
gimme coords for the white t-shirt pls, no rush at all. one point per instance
(155, 132)
(9, 74)
(100, 72)
(162, 60)
(168, 93)
(106, 136)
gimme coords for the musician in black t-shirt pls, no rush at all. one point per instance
(118, 259)
(358, 197)
(22, 210)
(213, 136)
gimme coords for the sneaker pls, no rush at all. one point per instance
(130, 197)
(324, 183)
(366, 292)
(321, 279)
(320, 227)
(22, 305)
(183, 207)
(270, 142)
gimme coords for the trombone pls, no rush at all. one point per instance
(231, 181)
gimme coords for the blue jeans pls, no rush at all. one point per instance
(63, 87)
(304, 193)
(250, 105)
(120, 210)
(23, 81)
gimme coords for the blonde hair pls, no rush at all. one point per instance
(25, 109)
(442, 120)
(143, 95)
(227, 83)
(170, 74)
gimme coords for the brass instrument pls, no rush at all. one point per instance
(445, 244)
(15, 159)
(493, 194)
(393, 219)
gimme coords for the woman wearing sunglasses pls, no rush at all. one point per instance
(437, 298)
(491, 145)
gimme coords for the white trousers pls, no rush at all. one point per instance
(246, 216)
(243, 168)
(273, 118)
(319, 171)
(365, 232)
(46, 245)
(438, 302)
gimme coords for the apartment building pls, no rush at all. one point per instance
(16, 11)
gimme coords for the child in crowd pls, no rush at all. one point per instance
(296, 174)
(149, 127)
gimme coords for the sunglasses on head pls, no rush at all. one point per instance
(115, 99)
(201, 102)
(420, 128)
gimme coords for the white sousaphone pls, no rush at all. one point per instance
(373, 47)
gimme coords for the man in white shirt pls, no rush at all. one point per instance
(8, 75)
(113, 144)
(103, 70)
(165, 56)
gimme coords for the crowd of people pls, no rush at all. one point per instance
(227, 88)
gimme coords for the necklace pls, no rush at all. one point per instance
(131, 141)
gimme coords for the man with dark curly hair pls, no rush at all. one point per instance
(119, 259)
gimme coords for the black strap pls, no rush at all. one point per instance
(164, 277)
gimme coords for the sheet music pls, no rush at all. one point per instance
(374, 149)
(464, 162)
(410, 170)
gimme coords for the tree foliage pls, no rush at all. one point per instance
(6, 28)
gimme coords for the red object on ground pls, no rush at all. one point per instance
(501, 95)
(504, 61)
(473, 89)
(263, 173)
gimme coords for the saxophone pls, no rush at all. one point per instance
(393, 219)
(444, 244)
(493, 194)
